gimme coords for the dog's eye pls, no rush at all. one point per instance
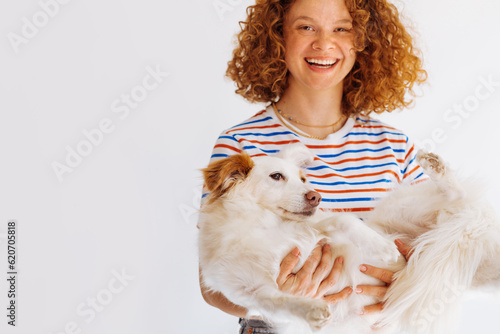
(277, 176)
(303, 179)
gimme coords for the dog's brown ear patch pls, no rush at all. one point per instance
(222, 175)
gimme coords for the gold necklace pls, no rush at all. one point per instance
(308, 125)
(276, 111)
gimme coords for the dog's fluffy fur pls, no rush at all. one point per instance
(259, 210)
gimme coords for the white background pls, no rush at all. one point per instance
(129, 204)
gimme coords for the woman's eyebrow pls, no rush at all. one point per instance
(307, 18)
(303, 17)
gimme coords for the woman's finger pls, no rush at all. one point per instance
(323, 269)
(287, 265)
(305, 273)
(379, 273)
(332, 278)
(375, 308)
(337, 297)
(404, 249)
(371, 290)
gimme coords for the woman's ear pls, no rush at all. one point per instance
(222, 175)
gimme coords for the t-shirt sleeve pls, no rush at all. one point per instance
(412, 172)
(225, 146)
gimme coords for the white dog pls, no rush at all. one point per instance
(259, 210)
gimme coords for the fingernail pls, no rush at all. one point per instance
(359, 290)
(361, 312)
(398, 242)
(341, 260)
(296, 251)
(327, 246)
(362, 268)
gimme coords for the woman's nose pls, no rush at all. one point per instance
(324, 42)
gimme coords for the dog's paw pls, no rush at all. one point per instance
(319, 315)
(433, 165)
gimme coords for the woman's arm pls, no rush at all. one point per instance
(315, 278)
(217, 299)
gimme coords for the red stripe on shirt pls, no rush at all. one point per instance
(228, 147)
(355, 176)
(351, 191)
(255, 127)
(374, 127)
(259, 113)
(348, 210)
(357, 142)
(409, 152)
(411, 172)
(284, 142)
(359, 159)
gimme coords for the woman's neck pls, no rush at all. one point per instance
(318, 108)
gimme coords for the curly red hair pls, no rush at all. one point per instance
(386, 69)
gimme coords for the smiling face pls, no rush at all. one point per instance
(319, 43)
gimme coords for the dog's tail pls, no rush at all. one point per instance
(424, 295)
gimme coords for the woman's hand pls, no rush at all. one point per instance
(385, 276)
(315, 278)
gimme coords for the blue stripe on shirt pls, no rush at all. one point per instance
(219, 156)
(350, 183)
(354, 168)
(252, 122)
(272, 134)
(410, 164)
(367, 199)
(359, 151)
(229, 137)
(373, 134)
(260, 149)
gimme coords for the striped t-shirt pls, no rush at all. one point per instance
(352, 167)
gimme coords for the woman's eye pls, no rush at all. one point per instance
(276, 176)
(342, 29)
(306, 28)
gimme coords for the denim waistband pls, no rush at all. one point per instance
(251, 326)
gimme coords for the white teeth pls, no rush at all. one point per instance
(321, 62)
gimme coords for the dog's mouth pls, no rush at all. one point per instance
(305, 213)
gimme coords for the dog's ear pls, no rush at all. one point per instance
(222, 175)
(298, 154)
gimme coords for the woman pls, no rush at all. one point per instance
(323, 66)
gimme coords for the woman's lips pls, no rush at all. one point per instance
(321, 64)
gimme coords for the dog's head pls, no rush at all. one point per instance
(277, 183)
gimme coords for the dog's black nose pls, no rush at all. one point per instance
(313, 198)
